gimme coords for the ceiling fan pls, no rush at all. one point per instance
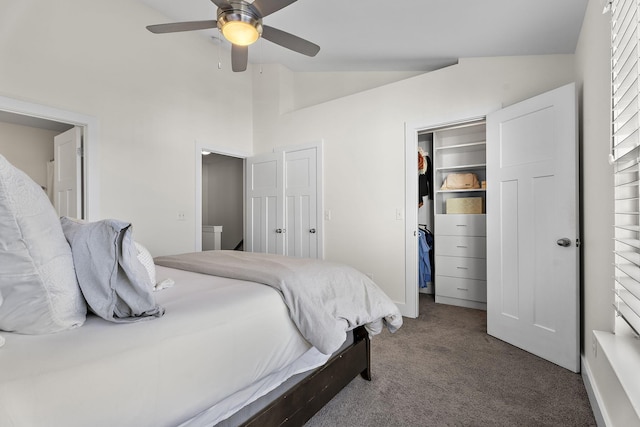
(241, 23)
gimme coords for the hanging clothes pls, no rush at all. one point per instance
(425, 243)
(422, 165)
(424, 177)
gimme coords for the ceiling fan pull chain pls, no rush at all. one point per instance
(260, 55)
(219, 44)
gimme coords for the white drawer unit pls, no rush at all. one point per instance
(467, 268)
(461, 225)
(464, 289)
(460, 258)
(462, 246)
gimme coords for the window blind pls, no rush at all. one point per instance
(625, 156)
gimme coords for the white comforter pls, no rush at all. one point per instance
(218, 337)
(325, 299)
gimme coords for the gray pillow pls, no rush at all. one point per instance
(114, 282)
(37, 279)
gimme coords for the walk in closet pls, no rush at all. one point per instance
(457, 212)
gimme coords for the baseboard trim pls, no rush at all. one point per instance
(595, 398)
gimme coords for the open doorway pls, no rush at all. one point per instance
(27, 143)
(219, 197)
(36, 116)
(48, 152)
(222, 202)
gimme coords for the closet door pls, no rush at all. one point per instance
(532, 227)
(265, 210)
(284, 202)
(301, 194)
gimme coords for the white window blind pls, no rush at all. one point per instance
(625, 156)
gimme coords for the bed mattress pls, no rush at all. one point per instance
(218, 337)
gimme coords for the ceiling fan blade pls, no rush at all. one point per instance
(222, 4)
(267, 7)
(290, 41)
(182, 26)
(239, 57)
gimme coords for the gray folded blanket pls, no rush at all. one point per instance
(325, 299)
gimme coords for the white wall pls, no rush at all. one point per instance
(27, 148)
(593, 74)
(315, 88)
(153, 95)
(364, 144)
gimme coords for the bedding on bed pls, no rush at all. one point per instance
(223, 342)
(325, 299)
(113, 280)
(218, 337)
(37, 280)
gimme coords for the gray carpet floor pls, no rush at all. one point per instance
(442, 369)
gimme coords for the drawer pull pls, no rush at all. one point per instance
(462, 268)
(461, 225)
(460, 246)
(462, 289)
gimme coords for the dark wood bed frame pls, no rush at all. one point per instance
(302, 401)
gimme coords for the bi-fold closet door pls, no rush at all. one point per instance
(284, 202)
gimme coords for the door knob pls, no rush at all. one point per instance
(564, 242)
(312, 231)
(278, 230)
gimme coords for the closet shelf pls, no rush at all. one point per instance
(469, 190)
(479, 144)
(461, 167)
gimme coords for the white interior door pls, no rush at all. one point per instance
(300, 196)
(284, 202)
(265, 210)
(67, 181)
(532, 226)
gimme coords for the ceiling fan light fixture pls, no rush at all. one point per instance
(240, 25)
(240, 22)
(240, 33)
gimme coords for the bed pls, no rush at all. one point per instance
(231, 342)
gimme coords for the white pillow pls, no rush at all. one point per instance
(146, 259)
(37, 277)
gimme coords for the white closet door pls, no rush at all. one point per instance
(265, 211)
(284, 202)
(301, 213)
(532, 227)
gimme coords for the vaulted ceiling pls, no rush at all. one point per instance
(405, 35)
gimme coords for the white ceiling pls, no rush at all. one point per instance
(408, 35)
(35, 122)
